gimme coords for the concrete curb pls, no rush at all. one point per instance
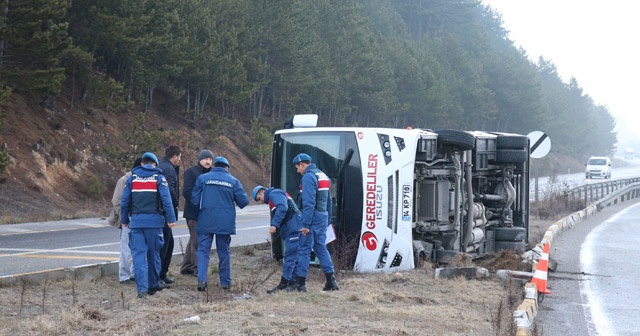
(527, 310)
(84, 273)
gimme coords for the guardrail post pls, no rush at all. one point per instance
(605, 193)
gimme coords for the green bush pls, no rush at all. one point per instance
(260, 149)
(5, 160)
(5, 92)
(216, 127)
(96, 188)
(142, 140)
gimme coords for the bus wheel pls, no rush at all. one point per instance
(510, 234)
(510, 141)
(461, 139)
(511, 156)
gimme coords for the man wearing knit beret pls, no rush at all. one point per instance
(190, 260)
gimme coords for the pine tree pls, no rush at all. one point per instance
(35, 40)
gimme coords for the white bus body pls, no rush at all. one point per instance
(405, 195)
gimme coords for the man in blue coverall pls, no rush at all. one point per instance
(215, 194)
(285, 218)
(145, 200)
(316, 216)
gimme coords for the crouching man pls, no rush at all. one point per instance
(286, 219)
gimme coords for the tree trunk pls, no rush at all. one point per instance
(73, 85)
(260, 101)
(149, 100)
(5, 14)
(196, 104)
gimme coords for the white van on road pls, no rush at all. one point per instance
(598, 166)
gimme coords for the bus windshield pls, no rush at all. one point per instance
(333, 152)
(326, 150)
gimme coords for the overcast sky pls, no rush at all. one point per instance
(593, 41)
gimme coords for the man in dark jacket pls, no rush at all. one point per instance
(145, 203)
(216, 193)
(190, 260)
(170, 169)
(285, 218)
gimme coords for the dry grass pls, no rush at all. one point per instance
(553, 203)
(411, 303)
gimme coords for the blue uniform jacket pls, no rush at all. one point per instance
(316, 197)
(215, 194)
(278, 202)
(151, 216)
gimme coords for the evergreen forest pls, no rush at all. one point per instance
(395, 63)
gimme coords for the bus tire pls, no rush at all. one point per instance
(517, 247)
(448, 256)
(505, 141)
(511, 156)
(461, 139)
(510, 234)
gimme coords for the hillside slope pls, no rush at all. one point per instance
(59, 162)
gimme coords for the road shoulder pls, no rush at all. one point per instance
(562, 312)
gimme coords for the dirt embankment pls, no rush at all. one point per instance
(64, 162)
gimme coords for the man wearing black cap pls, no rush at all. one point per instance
(190, 260)
(216, 193)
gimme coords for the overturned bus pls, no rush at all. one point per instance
(405, 195)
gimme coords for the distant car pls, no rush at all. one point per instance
(598, 166)
(629, 154)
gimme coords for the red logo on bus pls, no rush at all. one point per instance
(360, 135)
(370, 241)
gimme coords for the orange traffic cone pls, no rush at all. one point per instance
(540, 275)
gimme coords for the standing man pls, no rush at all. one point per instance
(216, 193)
(316, 216)
(145, 202)
(286, 219)
(125, 264)
(190, 260)
(170, 170)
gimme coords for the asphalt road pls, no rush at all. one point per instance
(37, 247)
(594, 288)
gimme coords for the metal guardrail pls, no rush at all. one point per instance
(597, 192)
(628, 192)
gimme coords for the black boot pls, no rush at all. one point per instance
(284, 283)
(299, 285)
(202, 286)
(331, 284)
